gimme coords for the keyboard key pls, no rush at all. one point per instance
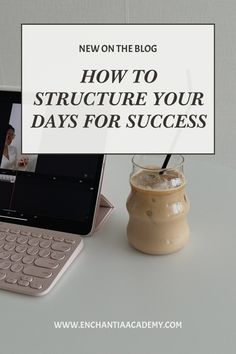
(4, 229)
(28, 259)
(14, 231)
(58, 238)
(4, 255)
(36, 235)
(2, 235)
(17, 267)
(23, 282)
(45, 243)
(36, 285)
(46, 263)
(44, 253)
(57, 255)
(47, 237)
(27, 278)
(57, 246)
(11, 238)
(32, 250)
(5, 264)
(10, 280)
(37, 272)
(25, 233)
(21, 248)
(16, 257)
(33, 242)
(2, 275)
(22, 239)
(9, 246)
(69, 240)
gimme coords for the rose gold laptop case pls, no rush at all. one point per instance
(32, 260)
(103, 211)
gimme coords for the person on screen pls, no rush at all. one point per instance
(9, 157)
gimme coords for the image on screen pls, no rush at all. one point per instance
(12, 159)
(49, 191)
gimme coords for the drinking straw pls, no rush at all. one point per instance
(165, 163)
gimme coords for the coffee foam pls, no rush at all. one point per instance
(153, 180)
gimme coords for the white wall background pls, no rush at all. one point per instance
(222, 13)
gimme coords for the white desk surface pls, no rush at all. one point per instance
(111, 281)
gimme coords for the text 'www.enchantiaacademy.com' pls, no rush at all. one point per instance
(117, 324)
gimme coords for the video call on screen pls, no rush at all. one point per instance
(48, 185)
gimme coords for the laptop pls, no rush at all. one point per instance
(47, 202)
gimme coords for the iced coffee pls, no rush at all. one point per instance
(157, 206)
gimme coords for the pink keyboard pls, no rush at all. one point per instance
(32, 259)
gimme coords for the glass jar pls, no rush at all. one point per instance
(157, 205)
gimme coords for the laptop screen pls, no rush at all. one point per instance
(49, 191)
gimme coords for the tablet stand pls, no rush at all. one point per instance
(104, 209)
